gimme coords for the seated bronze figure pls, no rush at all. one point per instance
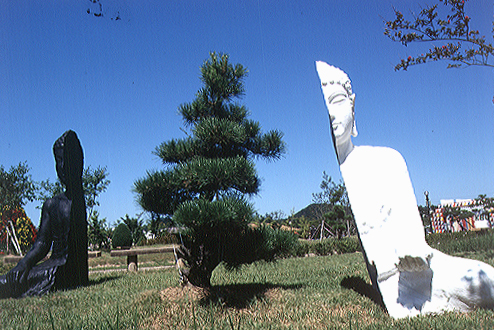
(63, 229)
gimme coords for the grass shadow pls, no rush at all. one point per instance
(363, 288)
(241, 295)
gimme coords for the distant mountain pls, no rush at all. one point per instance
(311, 212)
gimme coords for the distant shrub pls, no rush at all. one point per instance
(25, 230)
(280, 243)
(347, 245)
(301, 249)
(464, 241)
(122, 237)
(324, 247)
(164, 238)
(327, 246)
(142, 241)
(261, 243)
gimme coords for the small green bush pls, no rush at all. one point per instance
(302, 248)
(122, 237)
(262, 243)
(324, 247)
(347, 245)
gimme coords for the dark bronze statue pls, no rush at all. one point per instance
(63, 228)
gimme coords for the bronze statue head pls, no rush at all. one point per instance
(69, 158)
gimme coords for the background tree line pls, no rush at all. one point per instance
(329, 214)
(18, 188)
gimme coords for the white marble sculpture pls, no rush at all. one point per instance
(412, 277)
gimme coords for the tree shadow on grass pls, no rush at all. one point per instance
(363, 288)
(103, 279)
(241, 295)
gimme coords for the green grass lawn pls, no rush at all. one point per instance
(322, 292)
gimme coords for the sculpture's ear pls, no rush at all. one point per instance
(354, 129)
(354, 126)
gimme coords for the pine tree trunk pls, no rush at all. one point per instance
(199, 276)
(201, 267)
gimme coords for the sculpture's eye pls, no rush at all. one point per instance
(324, 83)
(338, 99)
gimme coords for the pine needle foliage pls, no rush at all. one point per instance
(209, 175)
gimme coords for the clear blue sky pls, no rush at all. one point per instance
(118, 85)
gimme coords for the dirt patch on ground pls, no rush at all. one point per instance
(360, 313)
(184, 310)
(181, 308)
(175, 294)
(273, 294)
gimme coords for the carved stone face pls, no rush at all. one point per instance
(340, 107)
(340, 101)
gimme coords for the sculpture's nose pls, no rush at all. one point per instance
(331, 117)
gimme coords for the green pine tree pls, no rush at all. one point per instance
(209, 175)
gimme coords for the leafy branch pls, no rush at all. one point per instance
(464, 46)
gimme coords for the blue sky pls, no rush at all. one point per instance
(118, 85)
